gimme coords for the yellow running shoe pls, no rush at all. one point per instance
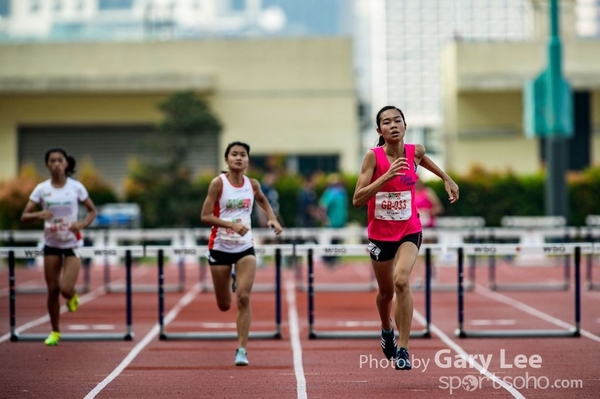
(73, 303)
(52, 339)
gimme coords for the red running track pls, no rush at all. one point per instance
(295, 366)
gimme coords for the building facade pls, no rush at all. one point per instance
(290, 97)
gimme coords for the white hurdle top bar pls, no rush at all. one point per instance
(34, 252)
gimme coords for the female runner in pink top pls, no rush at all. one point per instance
(387, 185)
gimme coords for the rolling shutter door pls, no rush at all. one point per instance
(110, 148)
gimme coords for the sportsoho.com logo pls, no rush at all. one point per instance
(472, 383)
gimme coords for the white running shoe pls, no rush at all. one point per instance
(241, 357)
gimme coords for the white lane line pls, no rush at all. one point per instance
(470, 359)
(187, 298)
(90, 296)
(290, 296)
(532, 311)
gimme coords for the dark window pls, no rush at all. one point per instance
(578, 146)
(4, 8)
(308, 164)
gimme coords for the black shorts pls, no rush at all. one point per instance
(227, 258)
(60, 251)
(382, 251)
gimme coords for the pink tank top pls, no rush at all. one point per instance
(392, 212)
(425, 207)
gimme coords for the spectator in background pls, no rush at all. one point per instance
(428, 204)
(269, 190)
(334, 208)
(307, 211)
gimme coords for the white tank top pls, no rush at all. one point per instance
(63, 202)
(234, 205)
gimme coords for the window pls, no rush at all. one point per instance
(34, 6)
(115, 4)
(237, 5)
(4, 8)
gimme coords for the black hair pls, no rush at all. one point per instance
(378, 120)
(233, 144)
(70, 169)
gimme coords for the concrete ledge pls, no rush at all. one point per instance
(106, 83)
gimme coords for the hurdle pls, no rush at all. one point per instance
(161, 252)
(509, 249)
(311, 250)
(12, 237)
(334, 250)
(592, 225)
(26, 253)
(547, 249)
(261, 250)
(141, 235)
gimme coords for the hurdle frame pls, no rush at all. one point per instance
(313, 334)
(511, 224)
(577, 249)
(256, 287)
(593, 231)
(24, 253)
(277, 250)
(336, 250)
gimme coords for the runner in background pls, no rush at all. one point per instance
(228, 209)
(59, 198)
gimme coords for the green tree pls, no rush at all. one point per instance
(163, 184)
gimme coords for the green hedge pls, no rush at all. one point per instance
(490, 195)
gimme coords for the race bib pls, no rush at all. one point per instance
(393, 206)
(229, 235)
(59, 228)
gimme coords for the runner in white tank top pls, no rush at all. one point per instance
(227, 208)
(235, 205)
(59, 198)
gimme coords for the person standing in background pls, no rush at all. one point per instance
(334, 208)
(428, 204)
(59, 198)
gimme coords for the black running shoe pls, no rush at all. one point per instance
(388, 343)
(403, 359)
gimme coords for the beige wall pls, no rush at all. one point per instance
(281, 96)
(483, 102)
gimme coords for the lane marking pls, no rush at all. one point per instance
(532, 311)
(290, 296)
(96, 327)
(90, 296)
(499, 322)
(183, 302)
(470, 359)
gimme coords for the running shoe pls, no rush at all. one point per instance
(241, 357)
(403, 359)
(73, 303)
(388, 343)
(52, 339)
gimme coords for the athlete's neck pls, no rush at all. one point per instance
(58, 181)
(236, 178)
(395, 150)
